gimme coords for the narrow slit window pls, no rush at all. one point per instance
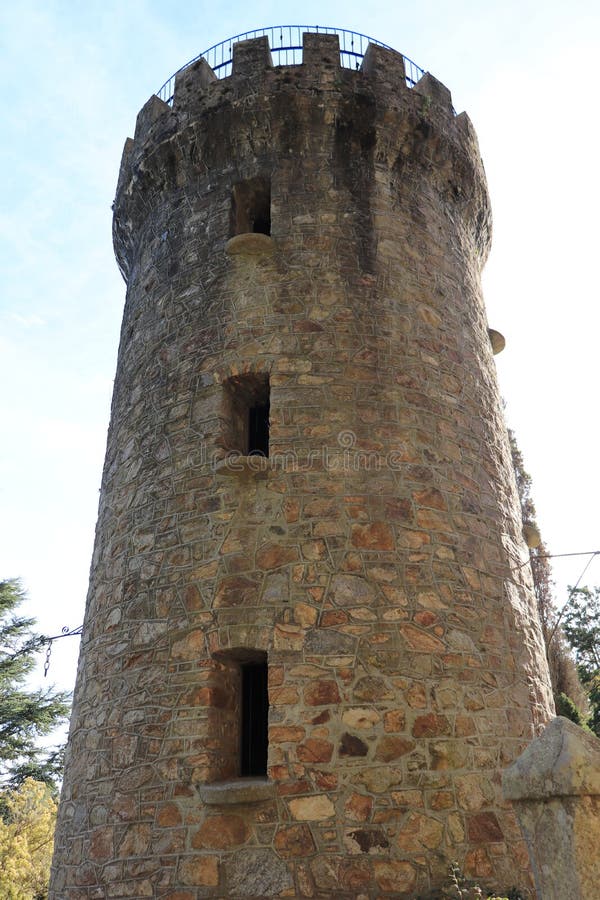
(246, 414)
(251, 207)
(258, 429)
(255, 718)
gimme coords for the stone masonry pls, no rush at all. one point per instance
(374, 560)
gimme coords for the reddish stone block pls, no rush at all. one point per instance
(358, 807)
(215, 697)
(483, 828)
(374, 536)
(432, 520)
(399, 510)
(430, 497)
(354, 875)
(394, 720)
(395, 877)
(431, 725)
(464, 726)
(291, 788)
(283, 696)
(283, 734)
(325, 781)
(294, 841)
(272, 556)
(315, 750)
(199, 870)
(333, 617)
(409, 799)
(101, 844)
(236, 590)
(373, 687)
(291, 510)
(136, 841)
(220, 833)
(425, 618)
(192, 598)
(390, 748)
(420, 640)
(441, 800)
(321, 693)
(420, 833)
(478, 864)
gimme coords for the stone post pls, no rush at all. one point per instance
(555, 788)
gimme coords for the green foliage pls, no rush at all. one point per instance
(25, 715)
(523, 479)
(565, 707)
(564, 676)
(581, 625)
(26, 841)
(593, 687)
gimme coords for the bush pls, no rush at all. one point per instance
(565, 707)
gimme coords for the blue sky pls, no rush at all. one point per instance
(74, 77)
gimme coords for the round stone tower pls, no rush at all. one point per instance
(311, 644)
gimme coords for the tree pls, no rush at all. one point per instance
(24, 715)
(26, 841)
(566, 684)
(581, 625)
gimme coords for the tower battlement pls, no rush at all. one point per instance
(372, 111)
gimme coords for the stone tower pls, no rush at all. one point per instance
(310, 644)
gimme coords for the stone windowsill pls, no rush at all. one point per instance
(238, 790)
(241, 466)
(249, 244)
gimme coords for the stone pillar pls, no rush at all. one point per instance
(555, 789)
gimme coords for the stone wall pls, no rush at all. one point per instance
(375, 557)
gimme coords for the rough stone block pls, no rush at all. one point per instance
(384, 66)
(151, 112)
(191, 82)
(321, 50)
(438, 93)
(555, 789)
(251, 57)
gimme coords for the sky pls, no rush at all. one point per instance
(74, 77)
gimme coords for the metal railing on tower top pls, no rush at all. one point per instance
(286, 47)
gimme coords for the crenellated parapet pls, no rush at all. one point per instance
(370, 115)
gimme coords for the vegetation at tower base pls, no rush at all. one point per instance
(461, 888)
(575, 685)
(25, 715)
(26, 840)
(570, 697)
(581, 625)
(305, 240)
